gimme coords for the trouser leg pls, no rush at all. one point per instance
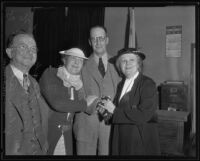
(85, 148)
(104, 139)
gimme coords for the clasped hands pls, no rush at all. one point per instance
(105, 104)
(105, 108)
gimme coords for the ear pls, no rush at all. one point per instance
(107, 40)
(89, 42)
(8, 52)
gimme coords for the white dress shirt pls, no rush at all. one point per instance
(104, 59)
(128, 84)
(18, 73)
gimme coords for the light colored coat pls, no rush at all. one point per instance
(86, 123)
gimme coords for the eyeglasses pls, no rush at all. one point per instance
(25, 48)
(100, 39)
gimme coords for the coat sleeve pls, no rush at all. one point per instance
(44, 108)
(144, 111)
(57, 95)
(89, 87)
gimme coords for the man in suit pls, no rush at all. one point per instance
(100, 78)
(26, 112)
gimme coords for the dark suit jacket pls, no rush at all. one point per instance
(134, 120)
(25, 118)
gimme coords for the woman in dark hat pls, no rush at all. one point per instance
(134, 119)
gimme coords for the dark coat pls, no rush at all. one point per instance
(58, 97)
(25, 118)
(135, 129)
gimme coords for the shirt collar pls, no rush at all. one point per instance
(128, 84)
(104, 59)
(134, 77)
(66, 72)
(18, 73)
(68, 75)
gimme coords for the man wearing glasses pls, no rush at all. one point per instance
(26, 112)
(100, 78)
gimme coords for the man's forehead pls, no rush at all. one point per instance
(97, 32)
(23, 38)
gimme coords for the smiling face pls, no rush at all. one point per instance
(23, 52)
(73, 64)
(98, 40)
(129, 64)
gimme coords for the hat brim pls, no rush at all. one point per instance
(131, 51)
(140, 54)
(72, 54)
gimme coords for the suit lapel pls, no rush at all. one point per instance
(134, 88)
(119, 91)
(14, 89)
(93, 69)
(114, 76)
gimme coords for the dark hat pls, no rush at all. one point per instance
(129, 51)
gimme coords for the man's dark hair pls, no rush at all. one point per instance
(98, 26)
(11, 37)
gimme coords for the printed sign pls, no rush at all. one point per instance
(173, 41)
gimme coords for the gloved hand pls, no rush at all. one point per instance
(109, 106)
(105, 107)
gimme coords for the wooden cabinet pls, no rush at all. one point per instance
(173, 96)
(171, 131)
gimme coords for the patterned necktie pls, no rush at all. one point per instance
(101, 67)
(25, 81)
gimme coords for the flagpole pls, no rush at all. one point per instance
(132, 35)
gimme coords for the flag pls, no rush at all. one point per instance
(132, 34)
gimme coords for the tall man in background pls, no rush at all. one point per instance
(26, 112)
(100, 79)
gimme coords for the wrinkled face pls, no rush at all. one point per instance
(98, 40)
(129, 64)
(73, 64)
(23, 51)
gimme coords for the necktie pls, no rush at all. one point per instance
(25, 81)
(101, 67)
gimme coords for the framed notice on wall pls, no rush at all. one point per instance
(173, 41)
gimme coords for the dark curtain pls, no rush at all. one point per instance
(48, 30)
(54, 31)
(79, 20)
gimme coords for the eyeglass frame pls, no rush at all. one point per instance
(24, 47)
(100, 38)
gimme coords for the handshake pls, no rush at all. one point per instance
(105, 108)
